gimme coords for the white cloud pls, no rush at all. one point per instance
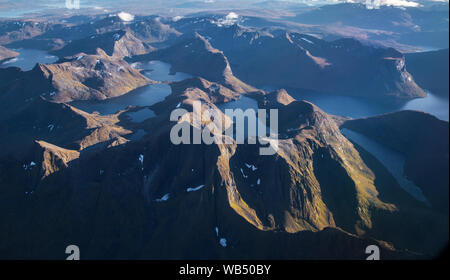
(399, 3)
(230, 19)
(373, 4)
(125, 16)
(177, 18)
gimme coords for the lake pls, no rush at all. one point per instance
(28, 58)
(144, 96)
(159, 71)
(244, 103)
(356, 107)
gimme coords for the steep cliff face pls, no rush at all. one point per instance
(430, 70)
(55, 158)
(295, 195)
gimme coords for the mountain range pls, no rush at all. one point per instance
(118, 188)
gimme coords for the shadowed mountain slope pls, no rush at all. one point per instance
(430, 70)
(423, 140)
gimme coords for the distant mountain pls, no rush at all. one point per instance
(390, 18)
(417, 26)
(80, 77)
(279, 58)
(147, 29)
(72, 177)
(16, 30)
(6, 54)
(54, 35)
(430, 70)
(117, 43)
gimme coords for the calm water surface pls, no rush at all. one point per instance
(144, 96)
(28, 58)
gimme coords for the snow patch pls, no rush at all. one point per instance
(116, 37)
(223, 242)
(306, 40)
(164, 198)
(125, 16)
(177, 18)
(28, 166)
(141, 159)
(252, 167)
(195, 189)
(229, 20)
(243, 175)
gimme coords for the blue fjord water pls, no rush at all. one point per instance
(28, 58)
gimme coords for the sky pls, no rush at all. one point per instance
(16, 7)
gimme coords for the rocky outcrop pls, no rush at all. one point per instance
(55, 158)
(272, 99)
(187, 91)
(59, 124)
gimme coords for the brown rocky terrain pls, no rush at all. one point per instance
(80, 77)
(59, 124)
(72, 177)
(318, 197)
(6, 54)
(17, 30)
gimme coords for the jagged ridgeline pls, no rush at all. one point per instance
(120, 189)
